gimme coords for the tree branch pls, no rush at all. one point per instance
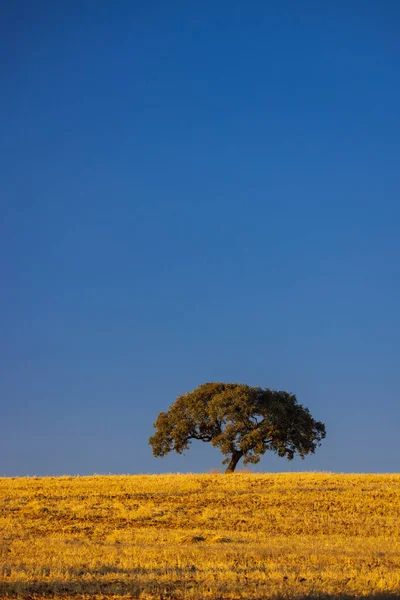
(203, 438)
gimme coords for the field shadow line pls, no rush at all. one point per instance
(133, 589)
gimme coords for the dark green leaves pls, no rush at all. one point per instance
(239, 420)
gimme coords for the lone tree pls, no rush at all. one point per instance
(241, 421)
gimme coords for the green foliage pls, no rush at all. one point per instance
(241, 421)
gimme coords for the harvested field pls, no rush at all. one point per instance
(214, 536)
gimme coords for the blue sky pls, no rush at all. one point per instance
(191, 193)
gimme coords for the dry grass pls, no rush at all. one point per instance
(201, 536)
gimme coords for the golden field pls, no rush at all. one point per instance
(245, 535)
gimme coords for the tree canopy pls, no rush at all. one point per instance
(242, 421)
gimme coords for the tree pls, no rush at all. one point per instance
(242, 421)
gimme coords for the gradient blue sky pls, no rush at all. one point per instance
(197, 192)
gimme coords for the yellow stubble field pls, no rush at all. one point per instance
(255, 536)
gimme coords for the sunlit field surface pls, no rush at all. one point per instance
(201, 536)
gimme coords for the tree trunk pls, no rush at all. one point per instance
(236, 456)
